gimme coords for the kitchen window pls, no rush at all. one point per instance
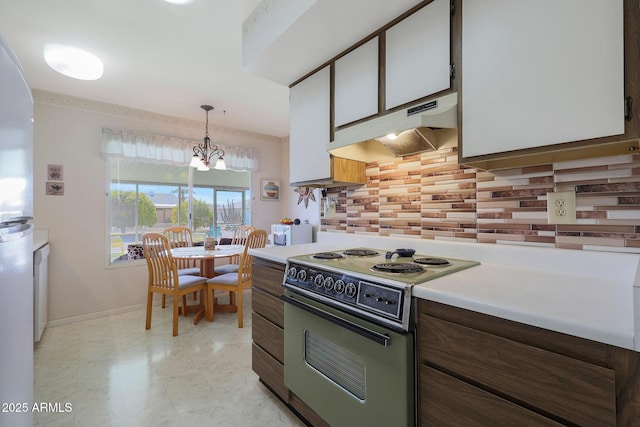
(150, 188)
(145, 196)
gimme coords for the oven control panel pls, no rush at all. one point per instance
(342, 288)
(380, 298)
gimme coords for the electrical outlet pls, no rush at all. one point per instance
(561, 207)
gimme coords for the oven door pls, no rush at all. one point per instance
(349, 371)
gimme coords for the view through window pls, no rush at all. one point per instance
(152, 197)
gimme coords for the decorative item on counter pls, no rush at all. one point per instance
(286, 220)
(296, 221)
(209, 243)
(330, 207)
(270, 189)
(304, 194)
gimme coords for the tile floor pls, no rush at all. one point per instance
(114, 373)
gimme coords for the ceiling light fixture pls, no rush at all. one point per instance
(73, 62)
(202, 153)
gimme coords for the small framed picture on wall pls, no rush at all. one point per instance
(269, 189)
(55, 172)
(55, 188)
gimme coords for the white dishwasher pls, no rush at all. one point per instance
(40, 290)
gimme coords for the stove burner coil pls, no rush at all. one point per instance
(398, 267)
(360, 252)
(327, 255)
(432, 261)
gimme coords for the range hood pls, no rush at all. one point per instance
(423, 127)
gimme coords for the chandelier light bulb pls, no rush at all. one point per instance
(220, 165)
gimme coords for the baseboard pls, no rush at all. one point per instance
(89, 316)
(74, 319)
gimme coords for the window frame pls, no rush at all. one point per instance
(189, 187)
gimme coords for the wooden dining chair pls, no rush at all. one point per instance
(236, 282)
(240, 235)
(164, 278)
(181, 237)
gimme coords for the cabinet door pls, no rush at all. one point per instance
(418, 54)
(536, 73)
(356, 84)
(309, 128)
(445, 400)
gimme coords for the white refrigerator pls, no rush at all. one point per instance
(16, 242)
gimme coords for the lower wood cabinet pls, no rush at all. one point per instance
(270, 371)
(476, 369)
(446, 400)
(267, 331)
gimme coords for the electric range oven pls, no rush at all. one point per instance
(350, 333)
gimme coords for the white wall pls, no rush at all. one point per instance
(291, 208)
(69, 132)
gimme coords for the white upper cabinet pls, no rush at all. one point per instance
(356, 84)
(536, 73)
(418, 54)
(309, 126)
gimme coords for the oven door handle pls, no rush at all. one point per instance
(374, 336)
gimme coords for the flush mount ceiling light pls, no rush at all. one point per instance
(202, 153)
(73, 62)
(179, 1)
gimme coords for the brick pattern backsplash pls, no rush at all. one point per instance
(431, 196)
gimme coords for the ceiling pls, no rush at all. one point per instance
(158, 57)
(170, 59)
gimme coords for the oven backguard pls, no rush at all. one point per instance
(348, 370)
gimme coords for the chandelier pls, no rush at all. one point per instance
(202, 153)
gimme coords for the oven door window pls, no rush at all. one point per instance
(344, 368)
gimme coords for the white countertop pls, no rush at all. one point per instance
(575, 305)
(593, 295)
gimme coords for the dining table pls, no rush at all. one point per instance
(207, 258)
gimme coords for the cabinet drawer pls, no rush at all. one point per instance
(445, 400)
(268, 336)
(573, 390)
(269, 370)
(268, 275)
(268, 306)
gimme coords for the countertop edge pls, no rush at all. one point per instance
(617, 328)
(603, 335)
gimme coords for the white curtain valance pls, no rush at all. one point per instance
(169, 150)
